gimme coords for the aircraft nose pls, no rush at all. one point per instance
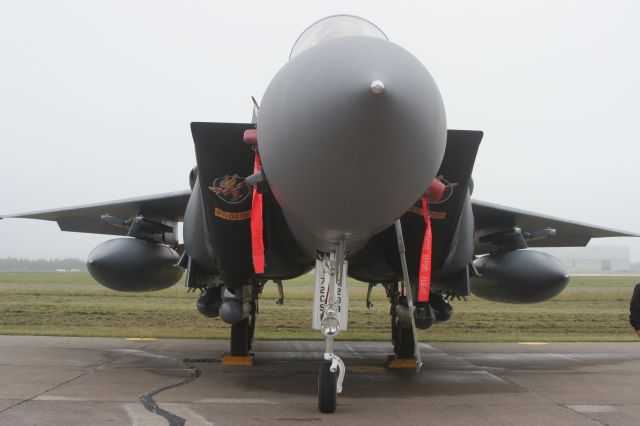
(351, 132)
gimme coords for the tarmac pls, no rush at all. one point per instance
(98, 381)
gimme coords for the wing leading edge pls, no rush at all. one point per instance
(497, 226)
(89, 218)
(507, 227)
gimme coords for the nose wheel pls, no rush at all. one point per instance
(327, 388)
(330, 380)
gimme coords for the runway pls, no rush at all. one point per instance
(79, 381)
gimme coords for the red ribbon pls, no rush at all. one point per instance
(424, 279)
(257, 227)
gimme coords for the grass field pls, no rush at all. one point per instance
(73, 304)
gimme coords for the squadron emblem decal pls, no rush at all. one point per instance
(230, 189)
(232, 215)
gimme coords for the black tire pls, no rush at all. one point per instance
(404, 345)
(394, 319)
(252, 329)
(242, 335)
(401, 337)
(240, 341)
(327, 388)
(394, 331)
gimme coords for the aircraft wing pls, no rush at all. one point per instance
(500, 227)
(89, 217)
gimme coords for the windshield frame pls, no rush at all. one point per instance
(296, 49)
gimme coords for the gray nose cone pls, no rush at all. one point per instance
(351, 132)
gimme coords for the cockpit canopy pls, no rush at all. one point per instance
(333, 27)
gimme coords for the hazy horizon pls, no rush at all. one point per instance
(96, 98)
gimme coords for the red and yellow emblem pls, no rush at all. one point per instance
(231, 189)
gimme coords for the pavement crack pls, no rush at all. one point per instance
(530, 391)
(84, 373)
(152, 406)
(583, 415)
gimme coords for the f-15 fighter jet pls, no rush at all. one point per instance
(348, 167)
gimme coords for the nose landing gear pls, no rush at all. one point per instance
(331, 304)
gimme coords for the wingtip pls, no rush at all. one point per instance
(624, 233)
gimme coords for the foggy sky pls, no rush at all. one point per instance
(96, 98)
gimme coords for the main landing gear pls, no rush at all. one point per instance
(242, 335)
(401, 333)
(240, 311)
(403, 308)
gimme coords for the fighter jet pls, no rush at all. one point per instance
(348, 167)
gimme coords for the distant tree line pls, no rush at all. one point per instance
(12, 264)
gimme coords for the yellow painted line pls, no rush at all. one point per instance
(140, 338)
(393, 362)
(364, 369)
(532, 343)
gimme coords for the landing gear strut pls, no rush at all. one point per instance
(410, 308)
(239, 309)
